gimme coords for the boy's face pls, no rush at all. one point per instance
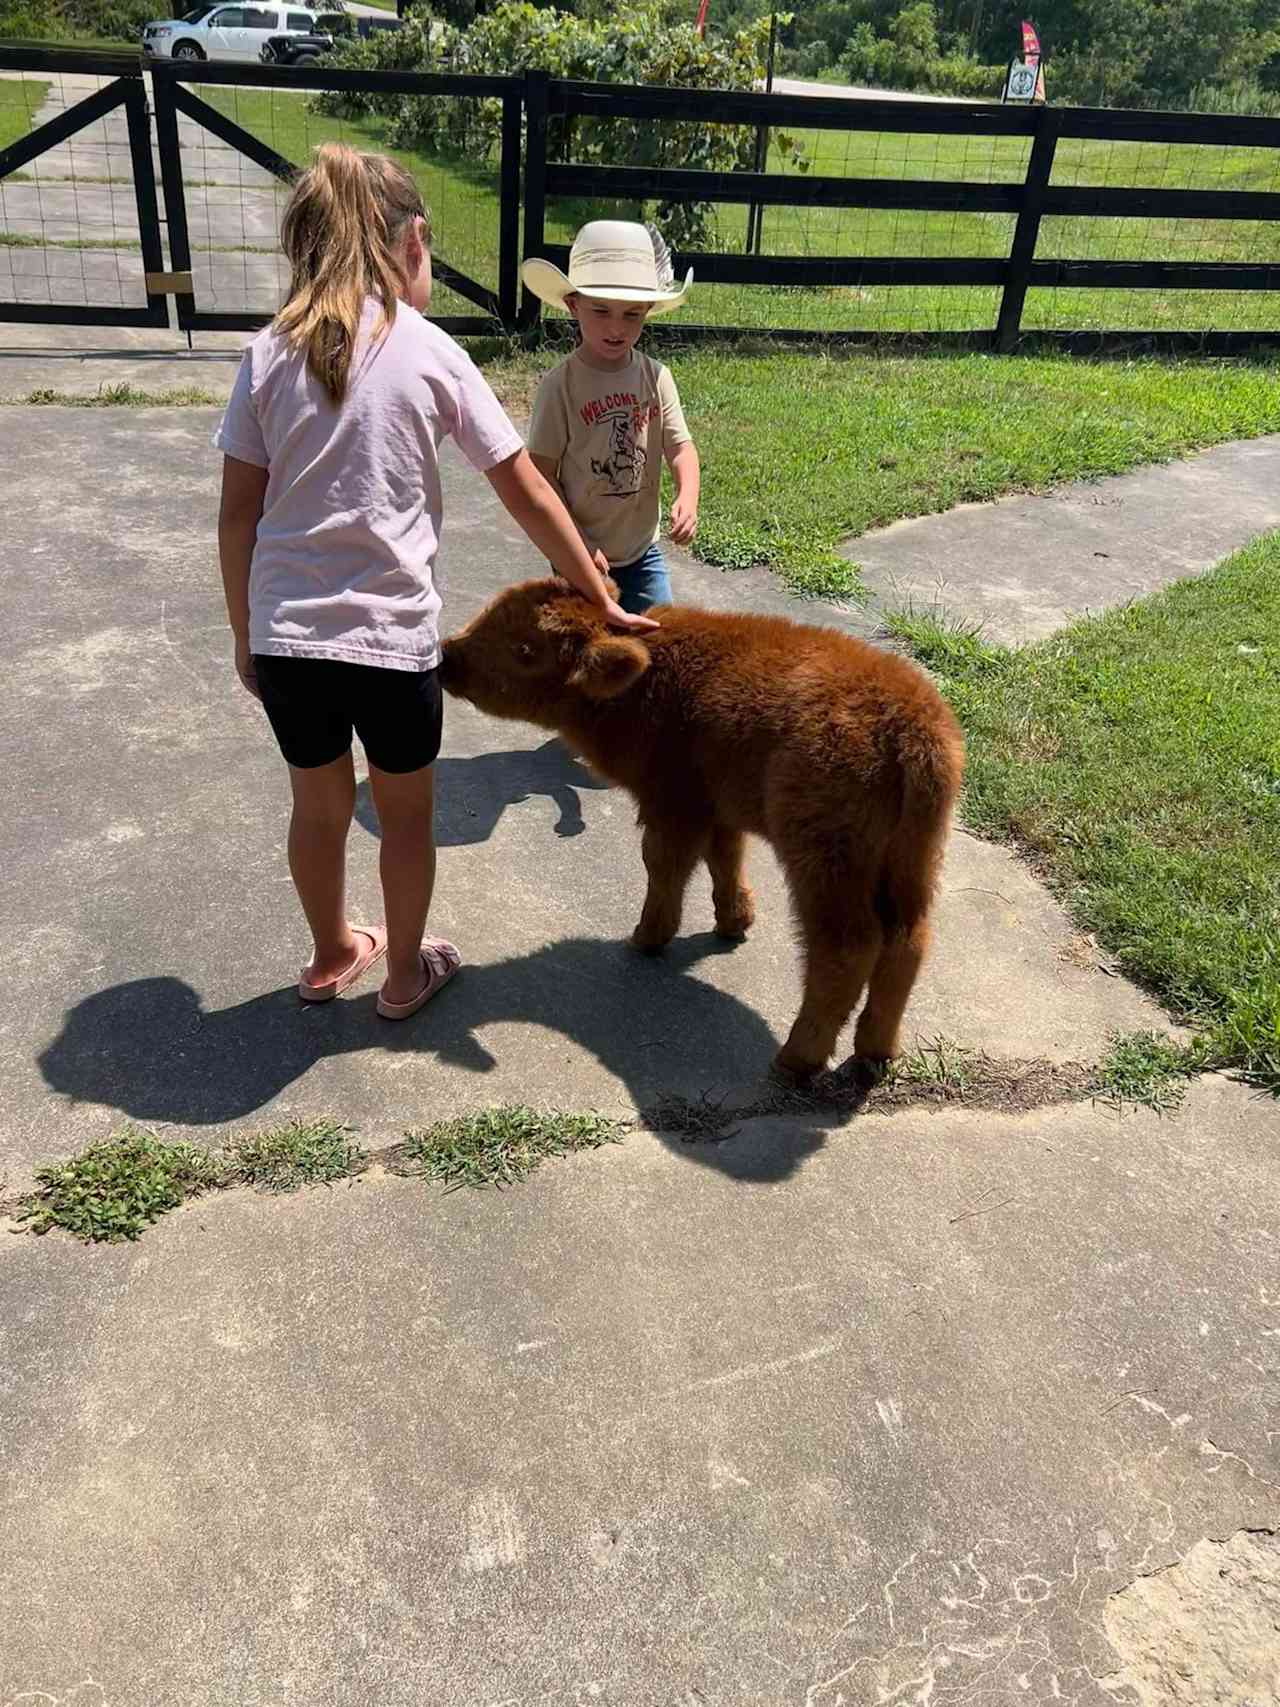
(609, 329)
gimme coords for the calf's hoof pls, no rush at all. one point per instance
(734, 922)
(865, 1072)
(791, 1069)
(648, 942)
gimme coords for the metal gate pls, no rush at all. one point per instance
(29, 205)
(179, 142)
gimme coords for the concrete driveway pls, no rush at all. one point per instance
(939, 1406)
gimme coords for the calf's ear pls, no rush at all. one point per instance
(608, 667)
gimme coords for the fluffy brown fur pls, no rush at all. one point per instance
(842, 756)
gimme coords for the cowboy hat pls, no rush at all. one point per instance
(616, 260)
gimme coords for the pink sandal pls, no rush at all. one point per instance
(440, 961)
(360, 965)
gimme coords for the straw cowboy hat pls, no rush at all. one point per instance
(616, 260)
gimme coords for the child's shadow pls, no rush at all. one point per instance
(472, 794)
(150, 1048)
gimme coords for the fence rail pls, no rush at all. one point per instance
(531, 187)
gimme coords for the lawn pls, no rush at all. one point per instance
(802, 449)
(20, 100)
(1137, 757)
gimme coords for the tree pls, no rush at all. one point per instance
(635, 46)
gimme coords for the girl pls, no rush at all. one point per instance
(327, 535)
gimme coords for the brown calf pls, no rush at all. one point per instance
(842, 756)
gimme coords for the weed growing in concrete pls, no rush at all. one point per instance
(285, 1158)
(501, 1146)
(112, 1190)
(1147, 1070)
(124, 396)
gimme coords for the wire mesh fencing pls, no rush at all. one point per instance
(234, 205)
(839, 216)
(69, 222)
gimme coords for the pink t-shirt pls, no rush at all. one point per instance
(344, 565)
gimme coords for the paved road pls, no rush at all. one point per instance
(855, 92)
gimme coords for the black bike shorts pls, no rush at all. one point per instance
(314, 704)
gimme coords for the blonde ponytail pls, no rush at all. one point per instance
(344, 221)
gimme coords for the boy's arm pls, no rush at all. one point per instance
(529, 500)
(244, 491)
(686, 471)
(682, 460)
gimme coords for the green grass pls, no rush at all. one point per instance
(1136, 756)
(501, 1146)
(1145, 1070)
(26, 240)
(801, 450)
(113, 1190)
(286, 1158)
(120, 396)
(20, 100)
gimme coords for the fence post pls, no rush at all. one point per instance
(536, 86)
(175, 195)
(509, 211)
(144, 189)
(1023, 249)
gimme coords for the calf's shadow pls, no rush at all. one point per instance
(472, 794)
(149, 1048)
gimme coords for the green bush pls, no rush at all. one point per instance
(911, 58)
(58, 20)
(638, 46)
(1244, 96)
(33, 21)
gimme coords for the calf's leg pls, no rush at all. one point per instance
(730, 892)
(671, 850)
(842, 940)
(892, 978)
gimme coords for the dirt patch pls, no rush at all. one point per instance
(1001, 1085)
(1206, 1631)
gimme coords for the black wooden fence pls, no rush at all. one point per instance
(530, 182)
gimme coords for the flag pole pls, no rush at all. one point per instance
(755, 213)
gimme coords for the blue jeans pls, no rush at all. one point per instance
(644, 582)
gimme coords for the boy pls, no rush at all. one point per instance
(605, 418)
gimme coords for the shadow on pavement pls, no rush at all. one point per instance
(150, 1049)
(473, 793)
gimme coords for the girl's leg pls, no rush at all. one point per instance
(405, 803)
(323, 798)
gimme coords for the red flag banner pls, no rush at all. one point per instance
(1030, 43)
(701, 24)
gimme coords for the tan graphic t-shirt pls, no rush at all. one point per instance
(607, 433)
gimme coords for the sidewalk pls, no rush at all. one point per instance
(913, 1407)
(1030, 564)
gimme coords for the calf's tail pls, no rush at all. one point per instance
(931, 763)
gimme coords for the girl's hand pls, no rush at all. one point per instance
(245, 670)
(616, 617)
(684, 520)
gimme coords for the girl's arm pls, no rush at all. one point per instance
(529, 500)
(244, 491)
(548, 468)
(687, 474)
